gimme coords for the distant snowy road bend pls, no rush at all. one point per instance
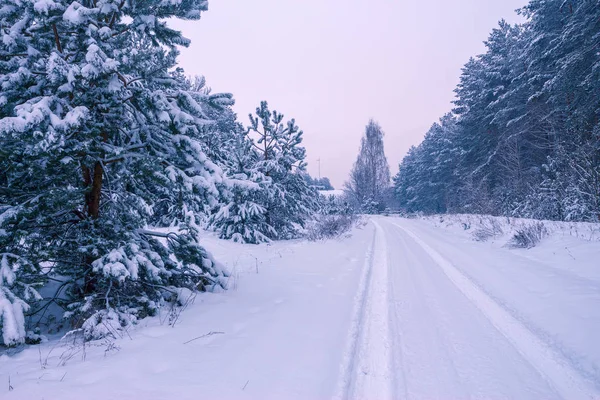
(424, 328)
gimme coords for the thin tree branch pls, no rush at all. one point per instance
(57, 39)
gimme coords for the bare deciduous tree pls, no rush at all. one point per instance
(370, 175)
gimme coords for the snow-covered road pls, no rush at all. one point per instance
(403, 309)
(428, 331)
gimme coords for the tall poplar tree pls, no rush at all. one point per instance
(370, 175)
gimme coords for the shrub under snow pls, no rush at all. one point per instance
(488, 229)
(331, 226)
(528, 235)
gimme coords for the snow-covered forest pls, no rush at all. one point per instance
(155, 244)
(103, 139)
(524, 136)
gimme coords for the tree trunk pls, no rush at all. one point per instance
(92, 197)
(93, 182)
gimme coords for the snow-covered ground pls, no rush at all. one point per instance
(404, 308)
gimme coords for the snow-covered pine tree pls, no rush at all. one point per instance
(95, 132)
(268, 196)
(208, 143)
(288, 201)
(562, 62)
(242, 216)
(220, 138)
(425, 180)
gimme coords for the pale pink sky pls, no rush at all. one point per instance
(333, 64)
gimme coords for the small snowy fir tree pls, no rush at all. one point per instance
(242, 217)
(288, 200)
(269, 196)
(98, 133)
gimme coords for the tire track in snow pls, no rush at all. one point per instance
(557, 371)
(415, 287)
(578, 359)
(366, 368)
(358, 314)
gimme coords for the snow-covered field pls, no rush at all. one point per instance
(404, 308)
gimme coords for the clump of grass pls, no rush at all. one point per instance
(489, 228)
(528, 236)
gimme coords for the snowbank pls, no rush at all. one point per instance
(277, 333)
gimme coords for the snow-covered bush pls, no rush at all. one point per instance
(335, 217)
(331, 226)
(331, 204)
(488, 228)
(528, 235)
